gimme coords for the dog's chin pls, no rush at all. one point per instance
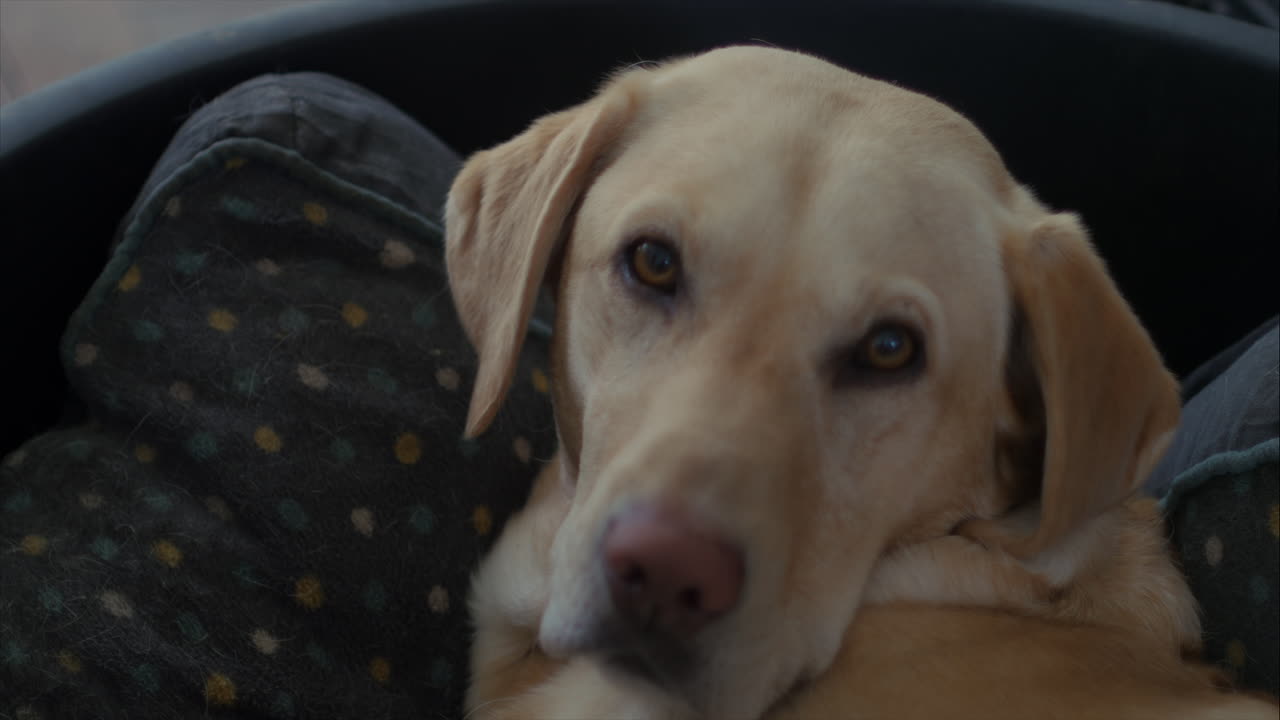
(693, 689)
(679, 676)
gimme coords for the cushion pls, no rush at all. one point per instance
(1219, 485)
(271, 512)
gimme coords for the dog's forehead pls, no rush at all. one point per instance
(757, 152)
(770, 96)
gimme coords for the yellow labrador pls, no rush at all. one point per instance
(849, 423)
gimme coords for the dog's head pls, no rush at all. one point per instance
(802, 316)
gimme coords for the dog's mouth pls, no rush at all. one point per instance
(678, 676)
(664, 662)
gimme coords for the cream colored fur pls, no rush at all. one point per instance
(961, 543)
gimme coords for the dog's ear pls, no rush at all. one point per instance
(504, 219)
(1109, 405)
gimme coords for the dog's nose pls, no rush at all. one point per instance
(667, 574)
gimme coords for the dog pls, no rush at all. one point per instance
(850, 424)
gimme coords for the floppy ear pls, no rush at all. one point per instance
(504, 219)
(1110, 407)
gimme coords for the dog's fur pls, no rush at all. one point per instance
(958, 542)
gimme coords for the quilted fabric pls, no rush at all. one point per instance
(272, 513)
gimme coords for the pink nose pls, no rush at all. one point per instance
(667, 575)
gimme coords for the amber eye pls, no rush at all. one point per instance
(888, 347)
(655, 264)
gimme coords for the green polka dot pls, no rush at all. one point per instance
(1241, 485)
(51, 600)
(245, 381)
(318, 655)
(239, 208)
(77, 449)
(1258, 590)
(468, 448)
(375, 596)
(111, 399)
(189, 263)
(282, 705)
(293, 320)
(202, 446)
(191, 627)
(383, 381)
(292, 514)
(246, 574)
(342, 450)
(441, 674)
(421, 518)
(157, 499)
(105, 548)
(147, 331)
(424, 316)
(19, 501)
(146, 678)
(11, 653)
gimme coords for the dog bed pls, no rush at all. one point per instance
(270, 511)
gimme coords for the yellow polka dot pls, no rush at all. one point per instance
(312, 376)
(219, 690)
(1236, 654)
(540, 382)
(354, 314)
(267, 440)
(34, 545)
(438, 600)
(69, 661)
(166, 553)
(482, 519)
(1275, 520)
(315, 213)
(396, 254)
(362, 520)
(218, 507)
(116, 604)
(182, 392)
(448, 378)
(265, 642)
(236, 163)
(145, 453)
(15, 458)
(85, 354)
(408, 449)
(309, 592)
(380, 669)
(173, 208)
(1213, 550)
(222, 320)
(132, 277)
(523, 450)
(91, 500)
(267, 267)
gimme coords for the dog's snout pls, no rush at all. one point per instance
(668, 575)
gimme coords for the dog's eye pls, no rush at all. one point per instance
(890, 347)
(654, 263)
(888, 351)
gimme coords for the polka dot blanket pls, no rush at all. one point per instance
(271, 513)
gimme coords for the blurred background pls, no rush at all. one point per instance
(42, 41)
